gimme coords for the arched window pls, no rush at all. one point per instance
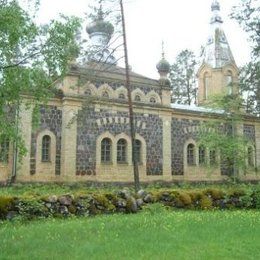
(250, 156)
(121, 150)
(137, 152)
(4, 151)
(88, 92)
(105, 94)
(152, 100)
(46, 151)
(106, 150)
(121, 96)
(191, 154)
(212, 157)
(206, 85)
(137, 98)
(202, 155)
(229, 81)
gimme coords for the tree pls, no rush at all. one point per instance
(33, 58)
(223, 133)
(183, 78)
(250, 87)
(105, 54)
(130, 105)
(247, 14)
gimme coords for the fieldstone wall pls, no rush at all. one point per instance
(91, 124)
(51, 119)
(182, 130)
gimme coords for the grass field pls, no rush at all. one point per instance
(155, 233)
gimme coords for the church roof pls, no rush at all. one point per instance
(111, 72)
(194, 108)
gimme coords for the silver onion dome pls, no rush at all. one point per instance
(163, 66)
(99, 25)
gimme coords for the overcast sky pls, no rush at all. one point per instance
(179, 23)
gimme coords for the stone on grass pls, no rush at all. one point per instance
(64, 210)
(131, 205)
(52, 199)
(139, 202)
(141, 194)
(66, 200)
(148, 198)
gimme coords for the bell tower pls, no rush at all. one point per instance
(218, 73)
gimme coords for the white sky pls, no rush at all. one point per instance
(180, 24)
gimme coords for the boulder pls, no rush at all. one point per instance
(63, 210)
(121, 203)
(148, 198)
(141, 194)
(131, 205)
(139, 203)
(65, 200)
(52, 199)
(125, 193)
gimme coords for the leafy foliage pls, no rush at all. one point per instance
(183, 78)
(33, 59)
(247, 14)
(223, 133)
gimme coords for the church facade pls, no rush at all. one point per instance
(84, 132)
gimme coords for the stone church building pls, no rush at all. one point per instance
(84, 132)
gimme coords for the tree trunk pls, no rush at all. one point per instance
(130, 105)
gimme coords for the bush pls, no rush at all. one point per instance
(6, 204)
(215, 194)
(183, 200)
(205, 202)
(256, 199)
(31, 208)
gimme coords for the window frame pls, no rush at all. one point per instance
(138, 151)
(202, 155)
(191, 154)
(121, 155)
(4, 151)
(46, 149)
(106, 150)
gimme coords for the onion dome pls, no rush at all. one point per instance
(163, 66)
(99, 25)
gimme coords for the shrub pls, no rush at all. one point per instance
(205, 202)
(246, 201)
(102, 203)
(6, 204)
(256, 199)
(31, 208)
(195, 197)
(183, 200)
(215, 194)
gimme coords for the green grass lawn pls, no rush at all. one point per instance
(155, 233)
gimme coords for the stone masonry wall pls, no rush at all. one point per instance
(182, 130)
(91, 124)
(51, 119)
